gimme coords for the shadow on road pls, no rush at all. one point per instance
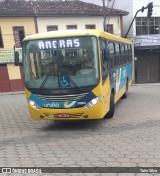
(72, 125)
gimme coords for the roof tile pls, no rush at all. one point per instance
(60, 8)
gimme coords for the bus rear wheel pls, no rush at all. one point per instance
(110, 114)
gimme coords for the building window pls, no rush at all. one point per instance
(18, 35)
(1, 40)
(71, 26)
(90, 26)
(109, 28)
(52, 28)
(147, 25)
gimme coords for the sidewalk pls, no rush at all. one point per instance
(11, 93)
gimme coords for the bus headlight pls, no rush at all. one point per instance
(34, 105)
(93, 102)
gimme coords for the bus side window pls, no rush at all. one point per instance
(102, 48)
(118, 56)
(104, 59)
(122, 54)
(112, 58)
(130, 53)
(126, 54)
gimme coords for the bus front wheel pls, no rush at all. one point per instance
(110, 114)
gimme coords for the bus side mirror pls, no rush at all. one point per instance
(16, 58)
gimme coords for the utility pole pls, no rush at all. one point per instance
(35, 16)
(104, 16)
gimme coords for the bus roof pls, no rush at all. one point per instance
(72, 33)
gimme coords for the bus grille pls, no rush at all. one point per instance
(60, 98)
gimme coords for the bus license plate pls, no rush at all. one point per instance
(64, 115)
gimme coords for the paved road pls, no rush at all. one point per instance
(131, 138)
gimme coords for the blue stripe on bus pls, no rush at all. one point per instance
(118, 77)
(62, 104)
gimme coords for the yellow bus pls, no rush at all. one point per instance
(75, 74)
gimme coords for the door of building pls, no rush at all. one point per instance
(4, 79)
(147, 67)
(154, 68)
(142, 69)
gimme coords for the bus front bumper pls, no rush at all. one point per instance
(82, 113)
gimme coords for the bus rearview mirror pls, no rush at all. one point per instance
(16, 58)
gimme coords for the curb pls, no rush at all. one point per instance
(12, 93)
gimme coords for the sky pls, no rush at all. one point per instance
(98, 2)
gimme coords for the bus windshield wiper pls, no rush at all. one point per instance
(45, 79)
(73, 82)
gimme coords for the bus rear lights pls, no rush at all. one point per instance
(93, 102)
(34, 105)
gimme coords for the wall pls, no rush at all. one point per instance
(43, 22)
(10, 78)
(139, 3)
(15, 77)
(132, 7)
(7, 24)
(14, 80)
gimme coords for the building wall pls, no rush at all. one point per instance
(147, 65)
(138, 5)
(132, 6)
(7, 24)
(61, 22)
(10, 78)
(13, 78)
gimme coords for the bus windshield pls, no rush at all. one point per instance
(59, 63)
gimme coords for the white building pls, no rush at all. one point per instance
(78, 15)
(132, 6)
(146, 34)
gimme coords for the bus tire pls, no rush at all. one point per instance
(110, 113)
(126, 93)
